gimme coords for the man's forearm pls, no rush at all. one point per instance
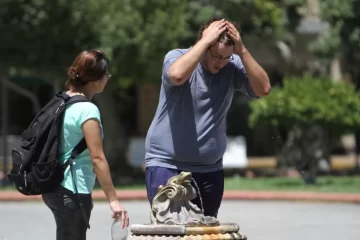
(182, 68)
(258, 78)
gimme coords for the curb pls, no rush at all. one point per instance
(131, 195)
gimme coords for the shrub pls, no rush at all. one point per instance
(305, 101)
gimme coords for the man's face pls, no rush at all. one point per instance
(218, 56)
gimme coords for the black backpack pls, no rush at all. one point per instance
(35, 163)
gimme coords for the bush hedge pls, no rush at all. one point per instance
(305, 101)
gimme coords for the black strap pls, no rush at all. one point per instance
(79, 148)
(72, 99)
(76, 99)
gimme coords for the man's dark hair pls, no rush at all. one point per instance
(224, 37)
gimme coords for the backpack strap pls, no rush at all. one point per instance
(78, 149)
(76, 99)
(72, 99)
(81, 146)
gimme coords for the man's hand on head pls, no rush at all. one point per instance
(235, 35)
(212, 33)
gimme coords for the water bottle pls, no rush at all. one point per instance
(117, 232)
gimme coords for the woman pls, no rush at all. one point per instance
(88, 76)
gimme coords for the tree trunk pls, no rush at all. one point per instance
(304, 148)
(115, 140)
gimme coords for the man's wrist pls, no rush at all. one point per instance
(242, 51)
(204, 43)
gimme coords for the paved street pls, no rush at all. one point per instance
(258, 220)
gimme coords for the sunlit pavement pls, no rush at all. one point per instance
(259, 220)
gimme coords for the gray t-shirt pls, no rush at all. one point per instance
(188, 131)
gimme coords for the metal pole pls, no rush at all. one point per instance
(4, 121)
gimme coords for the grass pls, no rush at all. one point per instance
(344, 184)
(348, 184)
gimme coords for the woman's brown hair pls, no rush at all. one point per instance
(87, 67)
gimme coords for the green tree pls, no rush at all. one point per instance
(41, 38)
(316, 111)
(276, 19)
(342, 39)
(136, 35)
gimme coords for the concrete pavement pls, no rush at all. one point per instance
(257, 219)
(228, 195)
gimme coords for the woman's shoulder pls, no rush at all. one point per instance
(83, 111)
(80, 106)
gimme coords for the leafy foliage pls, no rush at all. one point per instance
(343, 37)
(305, 101)
(137, 34)
(41, 38)
(259, 17)
(46, 35)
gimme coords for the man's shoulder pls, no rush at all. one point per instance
(236, 60)
(234, 64)
(177, 51)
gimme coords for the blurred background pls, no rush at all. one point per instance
(303, 136)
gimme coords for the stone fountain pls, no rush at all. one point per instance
(174, 217)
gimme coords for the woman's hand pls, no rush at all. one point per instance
(119, 211)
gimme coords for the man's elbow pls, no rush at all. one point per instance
(263, 91)
(176, 80)
(176, 77)
(267, 90)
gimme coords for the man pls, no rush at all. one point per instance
(188, 132)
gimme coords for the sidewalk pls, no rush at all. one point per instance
(228, 195)
(338, 162)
